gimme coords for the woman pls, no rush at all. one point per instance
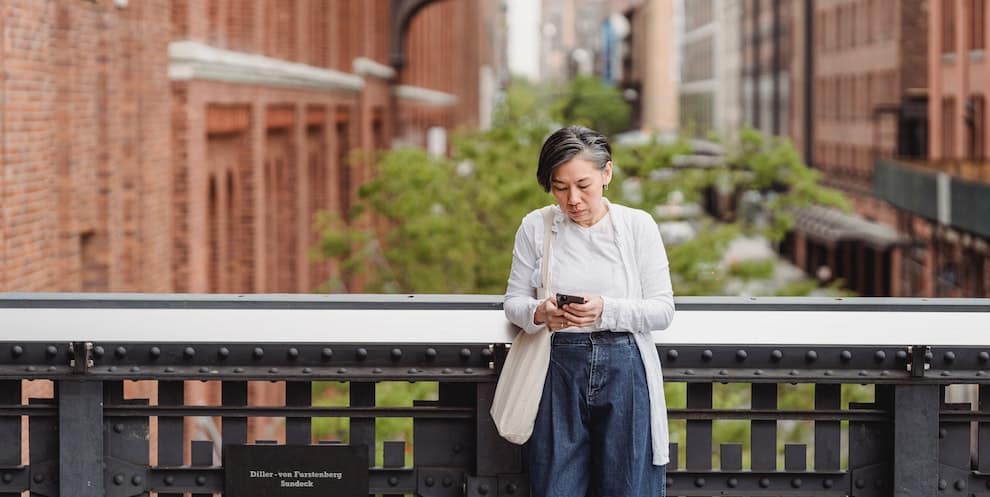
(601, 428)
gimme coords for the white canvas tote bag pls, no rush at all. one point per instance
(520, 386)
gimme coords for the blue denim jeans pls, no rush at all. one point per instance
(592, 432)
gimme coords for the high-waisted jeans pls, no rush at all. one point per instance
(592, 432)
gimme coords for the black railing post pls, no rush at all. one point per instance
(916, 466)
(80, 438)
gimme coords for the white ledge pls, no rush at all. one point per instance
(364, 66)
(191, 60)
(425, 95)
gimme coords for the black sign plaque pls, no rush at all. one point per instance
(295, 471)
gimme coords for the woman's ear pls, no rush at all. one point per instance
(607, 172)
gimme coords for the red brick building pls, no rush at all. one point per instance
(943, 201)
(845, 80)
(185, 145)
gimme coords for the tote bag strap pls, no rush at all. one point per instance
(548, 215)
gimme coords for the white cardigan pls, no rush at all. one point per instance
(649, 306)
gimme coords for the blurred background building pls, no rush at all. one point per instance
(184, 146)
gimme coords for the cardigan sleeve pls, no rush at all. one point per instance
(520, 304)
(655, 310)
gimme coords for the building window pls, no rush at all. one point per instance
(948, 127)
(977, 19)
(948, 26)
(976, 122)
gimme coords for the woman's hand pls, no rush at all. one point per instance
(548, 312)
(586, 314)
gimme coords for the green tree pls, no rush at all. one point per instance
(588, 101)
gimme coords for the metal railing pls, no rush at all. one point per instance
(89, 440)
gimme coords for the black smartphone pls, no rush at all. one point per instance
(564, 299)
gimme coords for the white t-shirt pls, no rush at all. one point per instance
(587, 261)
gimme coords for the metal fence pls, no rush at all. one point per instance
(89, 440)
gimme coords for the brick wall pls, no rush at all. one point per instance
(86, 157)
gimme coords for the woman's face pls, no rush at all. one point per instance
(577, 186)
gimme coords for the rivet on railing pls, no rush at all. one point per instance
(16, 351)
(393, 481)
(879, 356)
(446, 371)
(723, 372)
(672, 354)
(431, 353)
(137, 480)
(511, 488)
(273, 370)
(189, 352)
(135, 369)
(169, 480)
(38, 478)
(112, 369)
(468, 371)
(828, 483)
(447, 481)
(155, 352)
(949, 357)
(238, 370)
(204, 369)
(396, 354)
(741, 355)
(670, 482)
(293, 353)
(942, 484)
(706, 355)
(7, 477)
(170, 369)
(327, 353)
(942, 433)
(258, 352)
(51, 350)
(30, 369)
(412, 371)
(946, 373)
(846, 356)
(429, 481)
(860, 483)
(902, 355)
(307, 370)
(796, 483)
(863, 372)
(342, 370)
(118, 479)
(483, 489)
(811, 356)
(487, 354)
(201, 480)
(960, 485)
(118, 428)
(377, 370)
(699, 482)
(765, 482)
(732, 483)
(828, 372)
(223, 352)
(758, 372)
(984, 356)
(689, 372)
(465, 354)
(361, 353)
(776, 355)
(121, 352)
(98, 351)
